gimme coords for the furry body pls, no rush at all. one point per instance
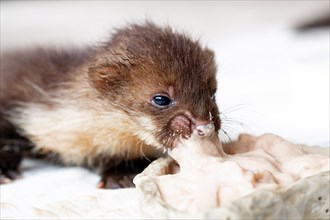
(96, 107)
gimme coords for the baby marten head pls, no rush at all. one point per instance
(164, 81)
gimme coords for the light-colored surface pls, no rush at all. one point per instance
(60, 22)
(306, 199)
(208, 178)
(271, 78)
(51, 192)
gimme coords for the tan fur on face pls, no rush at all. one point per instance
(143, 61)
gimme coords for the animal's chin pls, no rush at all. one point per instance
(169, 138)
(171, 142)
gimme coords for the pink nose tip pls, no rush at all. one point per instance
(205, 129)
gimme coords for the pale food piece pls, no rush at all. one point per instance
(209, 178)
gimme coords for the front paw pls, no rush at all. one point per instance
(116, 181)
(10, 158)
(9, 176)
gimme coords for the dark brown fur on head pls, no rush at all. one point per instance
(142, 61)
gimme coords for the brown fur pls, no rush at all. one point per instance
(96, 103)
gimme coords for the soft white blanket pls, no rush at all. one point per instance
(51, 192)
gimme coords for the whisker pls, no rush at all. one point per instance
(232, 130)
(233, 122)
(226, 135)
(140, 145)
(234, 108)
(223, 115)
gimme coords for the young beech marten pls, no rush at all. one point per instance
(125, 100)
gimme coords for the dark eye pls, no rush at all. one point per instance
(161, 101)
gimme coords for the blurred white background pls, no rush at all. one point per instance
(271, 78)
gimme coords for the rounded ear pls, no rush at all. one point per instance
(106, 78)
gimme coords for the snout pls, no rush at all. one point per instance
(186, 124)
(205, 129)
